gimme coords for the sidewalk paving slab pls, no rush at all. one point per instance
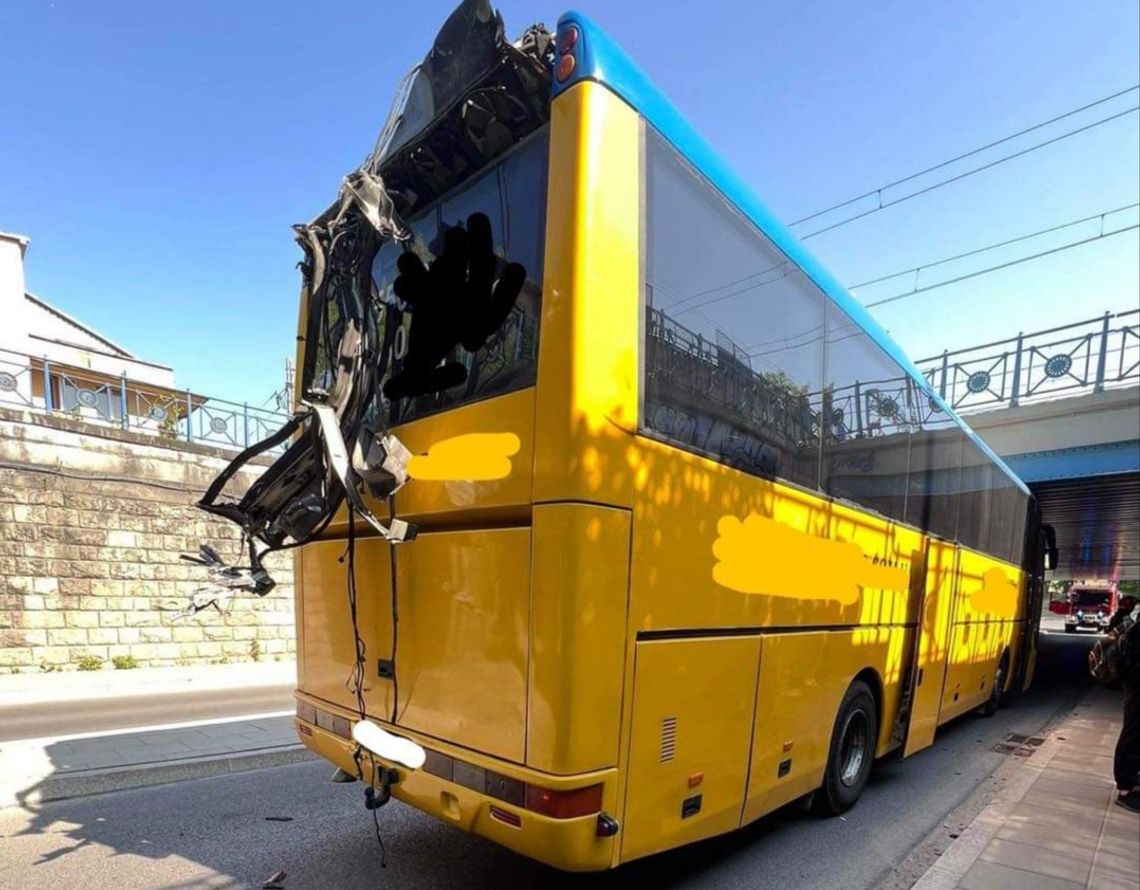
(33, 771)
(1055, 825)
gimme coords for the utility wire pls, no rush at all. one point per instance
(995, 246)
(683, 302)
(962, 157)
(1025, 259)
(883, 205)
(682, 306)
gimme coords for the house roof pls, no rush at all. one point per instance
(78, 325)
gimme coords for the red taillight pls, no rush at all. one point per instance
(564, 804)
(565, 68)
(568, 39)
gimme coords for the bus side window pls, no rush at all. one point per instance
(867, 410)
(734, 331)
(935, 468)
(975, 513)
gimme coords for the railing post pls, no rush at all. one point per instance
(945, 372)
(47, 386)
(189, 409)
(1013, 402)
(124, 419)
(858, 410)
(245, 421)
(1102, 359)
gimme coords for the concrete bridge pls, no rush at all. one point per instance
(1062, 407)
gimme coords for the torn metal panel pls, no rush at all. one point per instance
(473, 97)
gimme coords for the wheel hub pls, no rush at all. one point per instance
(853, 747)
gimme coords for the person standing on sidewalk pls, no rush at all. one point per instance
(1126, 761)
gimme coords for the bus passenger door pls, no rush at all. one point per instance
(932, 645)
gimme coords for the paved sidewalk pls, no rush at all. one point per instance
(80, 763)
(71, 685)
(36, 770)
(1054, 826)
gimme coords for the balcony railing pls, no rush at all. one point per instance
(37, 384)
(1088, 356)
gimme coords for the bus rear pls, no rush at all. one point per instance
(494, 640)
(579, 579)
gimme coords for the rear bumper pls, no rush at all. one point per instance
(568, 844)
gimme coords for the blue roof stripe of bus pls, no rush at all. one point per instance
(600, 59)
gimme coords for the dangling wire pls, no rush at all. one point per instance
(355, 680)
(395, 612)
(376, 821)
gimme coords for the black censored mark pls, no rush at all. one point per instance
(455, 301)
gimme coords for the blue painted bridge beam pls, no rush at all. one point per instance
(1076, 463)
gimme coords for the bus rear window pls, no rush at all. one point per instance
(512, 195)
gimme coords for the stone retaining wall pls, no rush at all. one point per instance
(92, 524)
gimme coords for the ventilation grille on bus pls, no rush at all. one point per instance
(668, 739)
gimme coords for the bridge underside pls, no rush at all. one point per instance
(1098, 524)
(1091, 496)
(1081, 458)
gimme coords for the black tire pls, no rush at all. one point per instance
(852, 751)
(997, 691)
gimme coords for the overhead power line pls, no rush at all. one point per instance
(813, 334)
(679, 307)
(959, 256)
(878, 192)
(883, 205)
(987, 270)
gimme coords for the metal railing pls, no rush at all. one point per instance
(37, 384)
(1088, 356)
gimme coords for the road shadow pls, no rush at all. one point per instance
(235, 831)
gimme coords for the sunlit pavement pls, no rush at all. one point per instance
(1054, 824)
(224, 832)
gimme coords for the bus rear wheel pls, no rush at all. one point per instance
(852, 751)
(997, 691)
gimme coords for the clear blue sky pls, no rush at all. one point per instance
(157, 153)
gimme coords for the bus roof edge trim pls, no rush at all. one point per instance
(602, 60)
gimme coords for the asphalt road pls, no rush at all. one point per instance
(58, 718)
(214, 833)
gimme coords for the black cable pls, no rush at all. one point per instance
(994, 246)
(355, 680)
(930, 188)
(376, 821)
(395, 610)
(96, 477)
(965, 155)
(356, 676)
(987, 270)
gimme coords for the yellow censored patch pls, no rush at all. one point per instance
(997, 595)
(760, 555)
(474, 457)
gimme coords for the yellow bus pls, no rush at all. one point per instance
(623, 523)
